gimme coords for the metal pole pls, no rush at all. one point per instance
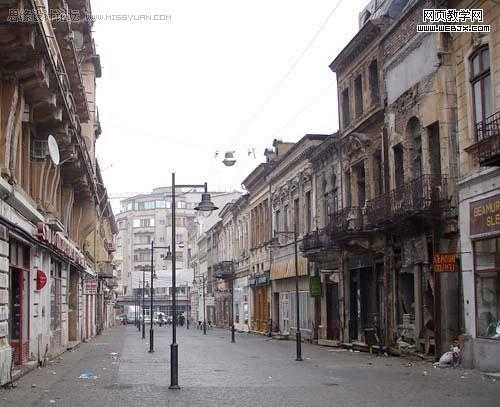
(151, 329)
(188, 301)
(138, 305)
(232, 311)
(135, 307)
(143, 307)
(297, 310)
(174, 361)
(204, 310)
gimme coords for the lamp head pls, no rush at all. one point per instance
(206, 204)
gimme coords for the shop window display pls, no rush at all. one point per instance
(487, 268)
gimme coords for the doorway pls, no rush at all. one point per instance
(261, 311)
(364, 303)
(19, 300)
(332, 312)
(354, 306)
(284, 313)
(276, 312)
(55, 303)
(73, 306)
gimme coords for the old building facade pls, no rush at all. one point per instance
(204, 246)
(292, 195)
(396, 213)
(318, 245)
(476, 60)
(259, 213)
(422, 146)
(385, 187)
(57, 228)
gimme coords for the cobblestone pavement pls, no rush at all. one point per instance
(255, 371)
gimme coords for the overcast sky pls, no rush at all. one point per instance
(174, 92)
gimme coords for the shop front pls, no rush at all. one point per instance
(259, 287)
(90, 298)
(240, 304)
(20, 265)
(363, 296)
(330, 328)
(284, 298)
(64, 265)
(74, 305)
(482, 285)
(416, 295)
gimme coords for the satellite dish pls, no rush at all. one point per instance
(53, 150)
(229, 159)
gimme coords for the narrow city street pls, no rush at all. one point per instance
(255, 371)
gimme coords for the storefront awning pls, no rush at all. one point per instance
(286, 268)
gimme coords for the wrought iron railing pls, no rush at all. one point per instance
(318, 239)
(347, 220)
(487, 146)
(427, 193)
(489, 127)
(224, 269)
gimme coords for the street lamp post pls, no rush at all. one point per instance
(204, 310)
(151, 329)
(188, 301)
(232, 311)
(143, 307)
(206, 205)
(135, 307)
(298, 338)
(138, 305)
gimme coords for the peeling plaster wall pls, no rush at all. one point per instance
(412, 68)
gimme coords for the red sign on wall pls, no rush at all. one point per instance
(445, 263)
(90, 287)
(41, 279)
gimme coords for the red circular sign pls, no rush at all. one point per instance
(41, 280)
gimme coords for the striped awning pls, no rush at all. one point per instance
(286, 268)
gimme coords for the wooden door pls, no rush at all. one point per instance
(260, 310)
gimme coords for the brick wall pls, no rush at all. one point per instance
(405, 31)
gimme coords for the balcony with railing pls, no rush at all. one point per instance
(347, 222)
(224, 269)
(318, 244)
(486, 148)
(422, 197)
(106, 270)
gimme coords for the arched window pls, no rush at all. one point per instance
(335, 198)
(414, 132)
(324, 201)
(480, 80)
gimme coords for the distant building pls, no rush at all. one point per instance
(147, 218)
